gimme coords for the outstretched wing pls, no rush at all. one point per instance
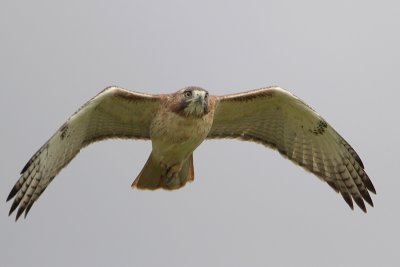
(113, 113)
(280, 120)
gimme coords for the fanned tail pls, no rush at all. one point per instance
(151, 177)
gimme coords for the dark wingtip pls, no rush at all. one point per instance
(370, 186)
(26, 166)
(13, 207)
(348, 200)
(28, 208)
(20, 211)
(357, 157)
(333, 186)
(368, 183)
(360, 203)
(13, 192)
(367, 197)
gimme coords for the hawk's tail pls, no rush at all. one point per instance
(151, 176)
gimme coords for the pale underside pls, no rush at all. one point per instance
(270, 116)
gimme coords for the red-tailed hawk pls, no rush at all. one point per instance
(178, 123)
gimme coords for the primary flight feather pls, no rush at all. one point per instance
(178, 123)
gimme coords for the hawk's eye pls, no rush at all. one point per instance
(188, 93)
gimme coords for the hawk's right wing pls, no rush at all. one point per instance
(113, 113)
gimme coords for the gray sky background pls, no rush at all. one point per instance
(248, 206)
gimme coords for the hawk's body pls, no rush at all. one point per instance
(178, 123)
(174, 136)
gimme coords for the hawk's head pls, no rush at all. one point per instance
(190, 102)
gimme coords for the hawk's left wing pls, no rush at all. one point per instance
(280, 120)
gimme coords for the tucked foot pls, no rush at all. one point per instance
(171, 175)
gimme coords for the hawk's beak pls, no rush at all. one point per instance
(199, 96)
(199, 99)
(199, 102)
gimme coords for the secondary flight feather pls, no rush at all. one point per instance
(178, 123)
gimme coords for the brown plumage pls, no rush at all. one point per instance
(178, 123)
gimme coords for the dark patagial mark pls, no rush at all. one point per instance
(319, 128)
(64, 130)
(134, 97)
(251, 96)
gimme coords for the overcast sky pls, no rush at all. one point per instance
(248, 206)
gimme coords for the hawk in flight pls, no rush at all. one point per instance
(178, 123)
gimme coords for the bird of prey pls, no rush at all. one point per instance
(178, 123)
